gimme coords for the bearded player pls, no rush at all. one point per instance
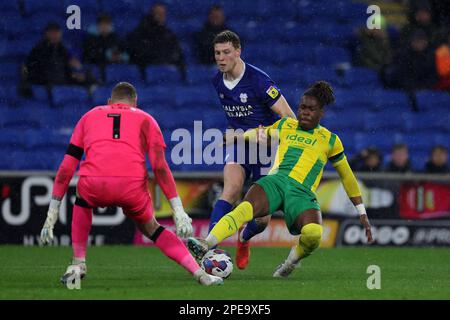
(305, 147)
(249, 98)
(115, 139)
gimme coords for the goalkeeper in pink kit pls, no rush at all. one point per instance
(115, 139)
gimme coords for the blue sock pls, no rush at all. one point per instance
(221, 208)
(252, 229)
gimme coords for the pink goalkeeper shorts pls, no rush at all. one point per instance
(129, 193)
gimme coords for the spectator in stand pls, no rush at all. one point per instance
(102, 45)
(420, 18)
(153, 43)
(50, 63)
(438, 162)
(399, 159)
(414, 66)
(373, 48)
(442, 56)
(367, 160)
(204, 38)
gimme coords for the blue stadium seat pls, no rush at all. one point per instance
(46, 138)
(358, 76)
(329, 55)
(13, 138)
(15, 118)
(441, 139)
(185, 29)
(387, 119)
(418, 141)
(8, 94)
(349, 119)
(64, 94)
(87, 6)
(163, 74)
(47, 6)
(9, 73)
(382, 139)
(201, 74)
(41, 93)
(418, 159)
(314, 73)
(195, 97)
(101, 95)
(428, 99)
(154, 96)
(123, 72)
(356, 99)
(390, 99)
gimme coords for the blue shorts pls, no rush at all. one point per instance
(256, 159)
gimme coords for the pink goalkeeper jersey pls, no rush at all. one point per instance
(115, 139)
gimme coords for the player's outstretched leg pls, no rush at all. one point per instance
(252, 228)
(81, 226)
(175, 249)
(226, 227)
(310, 237)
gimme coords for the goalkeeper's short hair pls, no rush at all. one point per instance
(123, 90)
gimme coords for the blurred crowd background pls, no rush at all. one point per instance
(391, 84)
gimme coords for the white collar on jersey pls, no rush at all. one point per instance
(230, 84)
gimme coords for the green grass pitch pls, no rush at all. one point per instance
(127, 272)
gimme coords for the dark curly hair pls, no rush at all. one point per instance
(322, 91)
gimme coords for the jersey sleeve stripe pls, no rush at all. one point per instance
(280, 125)
(337, 157)
(332, 141)
(75, 151)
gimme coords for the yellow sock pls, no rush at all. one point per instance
(230, 223)
(311, 235)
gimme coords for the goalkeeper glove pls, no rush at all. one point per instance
(52, 217)
(182, 221)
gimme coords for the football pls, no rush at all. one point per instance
(218, 263)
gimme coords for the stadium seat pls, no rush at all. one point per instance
(13, 138)
(329, 55)
(357, 99)
(195, 97)
(64, 94)
(201, 74)
(123, 72)
(418, 159)
(41, 93)
(17, 119)
(154, 96)
(101, 95)
(9, 73)
(358, 76)
(390, 100)
(163, 74)
(44, 6)
(314, 73)
(428, 99)
(8, 94)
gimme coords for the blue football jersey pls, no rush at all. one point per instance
(249, 103)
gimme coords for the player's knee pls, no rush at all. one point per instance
(311, 235)
(231, 192)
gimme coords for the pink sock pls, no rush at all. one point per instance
(81, 226)
(175, 249)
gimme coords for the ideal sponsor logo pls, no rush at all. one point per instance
(300, 139)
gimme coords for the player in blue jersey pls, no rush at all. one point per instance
(250, 99)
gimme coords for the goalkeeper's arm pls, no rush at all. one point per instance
(65, 173)
(164, 178)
